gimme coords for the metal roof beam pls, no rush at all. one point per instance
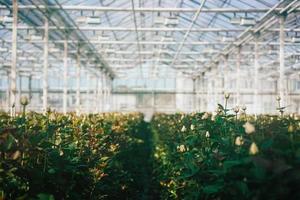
(159, 42)
(147, 29)
(144, 9)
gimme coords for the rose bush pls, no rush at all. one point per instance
(225, 156)
(57, 156)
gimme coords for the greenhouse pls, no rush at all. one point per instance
(149, 99)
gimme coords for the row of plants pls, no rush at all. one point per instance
(226, 155)
(55, 156)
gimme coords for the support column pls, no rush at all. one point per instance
(45, 70)
(238, 75)
(281, 59)
(88, 102)
(19, 90)
(103, 93)
(216, 89)
(256, 106)
(96, 93)
(203, 87)
(226, 88)
(13, 73)
(208, 97)
(95, 86)
(110, 99)
(78, 83)
(8, 93)
(30, 87)
(107, 94)
(287, 95)
(65, 78)
(194, 94)
(197, 93)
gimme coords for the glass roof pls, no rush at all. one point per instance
(135, 39)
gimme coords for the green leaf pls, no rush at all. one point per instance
(51, 171)
(231, 163)
(43, 196)
(11, 140)
(220, 106)
(36, 139)
(105, 158)
(243, 187)
(211, 189)
(267, 144)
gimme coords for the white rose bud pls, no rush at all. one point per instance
(181, 148)
(236, 109)
(207, 134)
(16, 155)
(278, 98)
(227, 95)
(24, 101)
(192, 127)
(205, 116)
(249, 128)
(253, 149)
(239, 141)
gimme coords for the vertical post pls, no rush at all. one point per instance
(287, 86)
(225, 86)
(208, 89)
(78, 83)
(281, 58)
(30, 87)
(94, 99)
(238, 75)
(256, 107)
(204, 90)
(107, 93)
(110, 98)
(153, 101)
(88, 102)
(20, 88)
(13, 73)
(215, 88)
(97, 94)
(103, 93)
(45, 70)
(8, 93)
(65, 78)
(197, 93)
(194, 94)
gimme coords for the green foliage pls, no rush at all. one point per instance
(114, 156)
(56, 156)
(197, 156)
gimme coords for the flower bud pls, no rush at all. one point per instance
(227, 95)
(16, 155)
(291, 128)
(183, 129)
(244, 108)
(24, 101)
(249, 128)
(236, 109)
(278, 98)
(192, 127)
(207, 134)
(181, 148)
(253, 149)
(239, 141)
(205, 116)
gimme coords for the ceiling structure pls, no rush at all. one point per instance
(158, 38)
